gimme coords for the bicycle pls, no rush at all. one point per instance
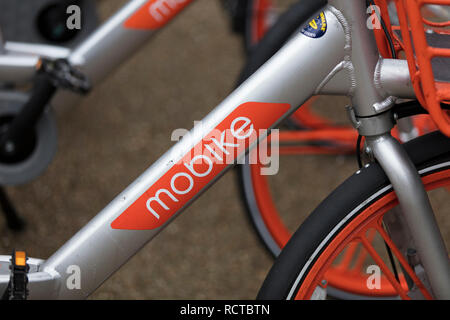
(273, 215)
(283, 94)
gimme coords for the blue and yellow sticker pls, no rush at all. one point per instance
(317, 27)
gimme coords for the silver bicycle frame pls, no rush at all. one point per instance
(344, 60)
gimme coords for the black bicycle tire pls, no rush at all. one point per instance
(424, 151)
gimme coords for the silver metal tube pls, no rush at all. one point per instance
(110, 45)
(362, 54)
(17, 69)
(417, 211)
(393, 78)
(40, 50)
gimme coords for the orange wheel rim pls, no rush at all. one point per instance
(357, 231)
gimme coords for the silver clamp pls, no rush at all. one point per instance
(373, 125)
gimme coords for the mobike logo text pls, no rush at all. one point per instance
(265, 155)
(155, 13)
(198, 167)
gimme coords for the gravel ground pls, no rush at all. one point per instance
(105, 142)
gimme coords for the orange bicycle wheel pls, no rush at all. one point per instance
(352, 219)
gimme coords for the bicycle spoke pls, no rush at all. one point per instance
(363, 254)
(403, 261)
(384, 268)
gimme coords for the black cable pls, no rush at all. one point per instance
(388, 37)
(391, 258)
(386, 31)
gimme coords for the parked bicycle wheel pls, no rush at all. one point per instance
(354, 219)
